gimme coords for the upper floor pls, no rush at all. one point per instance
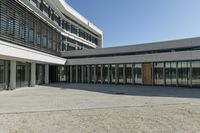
(49, 26)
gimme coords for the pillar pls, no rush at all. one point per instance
(12, 75)
(88, 73)
(77, 74)
(46, 73)
(71, 74)
(82, 74)
(109, 74)
(33, 74)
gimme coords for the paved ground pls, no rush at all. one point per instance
(99, 108)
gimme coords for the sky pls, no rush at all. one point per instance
(127, 22)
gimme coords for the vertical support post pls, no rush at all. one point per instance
(46, 73)
(70, 67)
(164, 66)
(88, 73)
(33, 74)
(190, 74)
(95, 74)
(77, 74)
(82, 74)
(152, 73)
(142, 72)
(176, 73)
(12, 75)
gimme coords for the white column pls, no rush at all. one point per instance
(12, 75)
(46, 73)
(33, 74)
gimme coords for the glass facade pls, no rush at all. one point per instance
(21, 27)
(159, 73)
(23, 74)
(186, 73)
(40, 74)
(138, 73)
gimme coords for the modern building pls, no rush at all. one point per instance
(47, 41)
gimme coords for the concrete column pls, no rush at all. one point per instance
(124, 73)
(152, 73)
(33, 74)
(46, 73)
(70, 67)
(190, 74)
(95, 74)
(82, 74)
(77, 74)
(88, 73)
(12, 75)
(102, 74)
(6, 75)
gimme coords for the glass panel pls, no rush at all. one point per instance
(128, 73)
(98, 72)
(196, 73)
(121, 73)
(138, 73)
(61, 73)
(79, 74)
(105, 73)
(112, 73)
(23, 74)
(73, 74)
(40, 74)
(92, 74)
(183, 73)
(159, 73)
(85, 74)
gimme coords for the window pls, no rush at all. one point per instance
(30, 31)
(50, 39)
(196, 73)
(183, 73)
(159, 73)
(105, 74)
(138, 73)
(112, 74)
(44, 37)
(128, 73)
(98, 73)
(10, 27)
(121, 73)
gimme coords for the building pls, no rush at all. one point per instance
(44, 41)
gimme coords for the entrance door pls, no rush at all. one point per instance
(147, 74)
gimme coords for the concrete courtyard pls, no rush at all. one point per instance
(99, 108)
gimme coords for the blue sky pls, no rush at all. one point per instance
(126, 22)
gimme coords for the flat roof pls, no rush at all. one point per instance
(146, 47)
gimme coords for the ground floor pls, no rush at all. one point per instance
(67, 107)
(175, 73)
(16, 74)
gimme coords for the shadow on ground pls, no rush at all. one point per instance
(154, 91)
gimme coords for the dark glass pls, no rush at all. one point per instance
(121, 73)
(61, 74)
(85, 74)
(2, 75)
(98, 73)
(79, 74)
(73, 74)
(40, 74)
(112, 74)
(128, 74)
(195, 73)
(105, 73)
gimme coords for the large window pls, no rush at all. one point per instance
(98, 72)
(170, 73)
(159, 73)
(183, 73)
(40, 74)
(113, 74)
(2, 74)
(105, 73)
(30, 31)
(138, 73)
(121, 73)
(195, 73)
(128, 73)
